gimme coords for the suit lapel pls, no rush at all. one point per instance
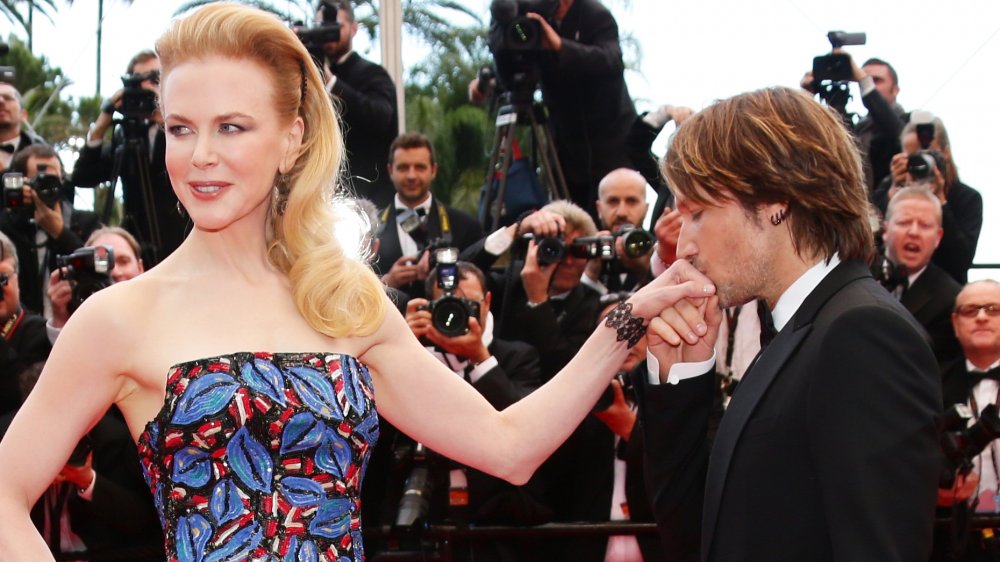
(755, 384)
(919, 294)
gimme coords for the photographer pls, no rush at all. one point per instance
(503, 371)
(912, 233)
(41, 222)
(961, 205)
(416, 221)
(972, 380)
(365, 98)
(621, 208)
(23, 340)
(12, 115)
(127, 265)
(583, 84)
(137, 147)
(877, 134)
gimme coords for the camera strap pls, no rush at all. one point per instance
(442, 216)
(12, 323)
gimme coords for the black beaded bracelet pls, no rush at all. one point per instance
(629, 327)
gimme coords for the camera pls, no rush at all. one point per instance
(921, 164)
(961, 443)
(450, 314)
(636, 242)
(832, 73)
(326, 30)
(138, 102)
(515, 40)
(49, 188)
(88, 271)
(888, 274)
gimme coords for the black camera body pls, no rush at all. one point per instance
(450, 314)
(137, 102)
(515, 40)
(636, 241)
(832, 73)
(318, 35)
(49, 188)
(88, 270)
(961, 442)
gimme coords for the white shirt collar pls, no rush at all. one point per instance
(796, 293)
(426, 205)
(912, 278)
(970, 368)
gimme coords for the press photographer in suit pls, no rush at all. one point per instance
(828, 450)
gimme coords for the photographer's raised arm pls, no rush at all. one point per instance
(421, 397)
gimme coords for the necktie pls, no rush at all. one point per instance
(419, 210)
(767, 329)
(992, 374)
(8, 148)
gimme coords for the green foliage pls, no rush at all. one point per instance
(10, 10)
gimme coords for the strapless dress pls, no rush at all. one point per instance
(260, 456)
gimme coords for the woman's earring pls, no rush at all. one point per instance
(181, 210)
(778, 218)
(280, 194)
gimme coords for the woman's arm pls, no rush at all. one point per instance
(423, 399)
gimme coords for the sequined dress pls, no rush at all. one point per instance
(259, 456)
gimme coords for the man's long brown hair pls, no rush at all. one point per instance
(777, 145)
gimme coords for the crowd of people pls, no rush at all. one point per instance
(762, 369)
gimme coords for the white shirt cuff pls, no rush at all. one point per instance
(481, 369)
(678, 371)
(52, 331)
(329, 85)
(867, 84)
(498, 242)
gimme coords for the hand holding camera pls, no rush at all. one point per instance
(539, 262)
(425, 316)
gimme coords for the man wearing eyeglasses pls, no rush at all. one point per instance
(974, 380)
(134, 153)
(912, 233)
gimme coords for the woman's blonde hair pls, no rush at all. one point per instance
(337, 295)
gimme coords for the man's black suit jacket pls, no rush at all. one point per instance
(27, 344)
(365, 97)
(828, 450)
(465, 231)
(931, 300)
(97, 164)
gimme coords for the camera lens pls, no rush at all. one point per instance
(450, 316)
(550, 251)
(637, 243)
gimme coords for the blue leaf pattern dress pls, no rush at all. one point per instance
(259, 456)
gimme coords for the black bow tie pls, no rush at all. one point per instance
(8, 148)
(767, 329)
(419, 210)
(993, 374)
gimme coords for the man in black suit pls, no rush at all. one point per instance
(828, 449)
(912, 234)
(365, 98)
(138, 148)
(973, 380)
(416, 219)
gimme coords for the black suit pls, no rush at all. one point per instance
(96, 164)
(930, 300)
(465, 231)
(590, 109)
(828, 450)
(366, 100)
(27, 344)
(878, 136)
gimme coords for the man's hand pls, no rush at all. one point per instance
(541, 224)
(965, 486)
(47, 218)
(685, 329)
(667, 230)
(468, 345)
(60, 292)
(550, 39)
(80, 476)
(680, 114)
(419, 321)
(897, 167)
(619, 417)
(807, 82)
(857, 74)
(402, 272)
(535, 277)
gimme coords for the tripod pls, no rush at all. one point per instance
(134, 153)
(512, 112)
